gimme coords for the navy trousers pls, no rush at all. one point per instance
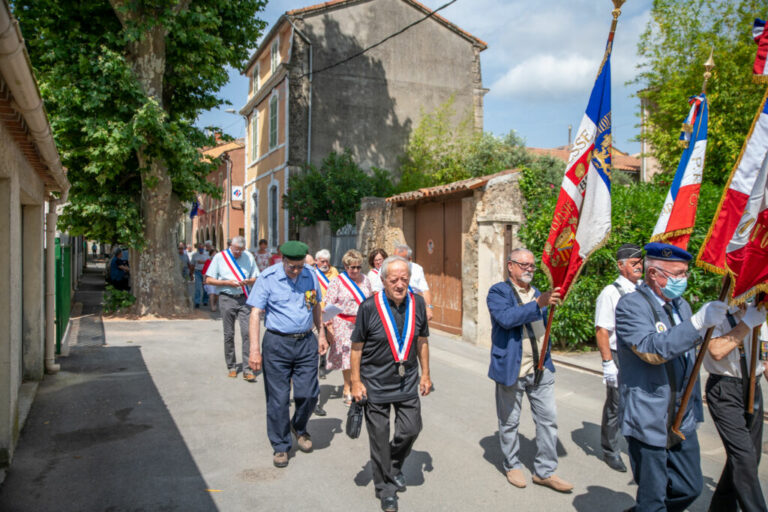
(667, 479)
(287, 361)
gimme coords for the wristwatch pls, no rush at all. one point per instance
(430, 306)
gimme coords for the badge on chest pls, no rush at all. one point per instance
(310, 299)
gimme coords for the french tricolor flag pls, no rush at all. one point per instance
(760, 68)
(678, 215)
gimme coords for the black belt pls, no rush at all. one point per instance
(231, 295)
(294, 335)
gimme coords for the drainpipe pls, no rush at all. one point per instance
(50, 287)
(228, 162)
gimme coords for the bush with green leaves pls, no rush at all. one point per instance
(635, 210)
(333, 192)
(115, 300)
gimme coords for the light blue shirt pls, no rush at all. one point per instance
(288, 305)
(218, 269)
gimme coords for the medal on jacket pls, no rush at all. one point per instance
(399, 342)
(352, 287)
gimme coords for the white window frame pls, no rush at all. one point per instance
(254, 136)
(274, 55)
(255, 218)
(274, 117)
(255, 78)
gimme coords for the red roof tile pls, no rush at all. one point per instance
(619, 160)
(448, 189)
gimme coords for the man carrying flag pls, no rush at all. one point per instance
(234, 271)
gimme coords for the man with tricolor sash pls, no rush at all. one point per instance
(325, 271)
(389, 343)
(234, 271)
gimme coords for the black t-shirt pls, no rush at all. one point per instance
(378, 369)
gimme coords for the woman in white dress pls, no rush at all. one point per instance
(375, 259)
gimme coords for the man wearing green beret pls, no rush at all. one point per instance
(289, 295)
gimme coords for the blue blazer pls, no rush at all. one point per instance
(508, 332)
(644, 387)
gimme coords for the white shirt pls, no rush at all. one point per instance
(730, 365)
(219, 269)
(375, 279)
(418, 281)
(198, 259)
(605, 307)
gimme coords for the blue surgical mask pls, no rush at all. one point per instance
(675, 287)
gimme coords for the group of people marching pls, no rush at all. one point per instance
(374, 328)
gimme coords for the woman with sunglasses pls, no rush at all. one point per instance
(346, 292)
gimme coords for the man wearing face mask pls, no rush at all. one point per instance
(518, 311)
(656, 339)
(629, 259)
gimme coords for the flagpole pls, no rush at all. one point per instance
(753, 361)
(697, 365)
(615, 13)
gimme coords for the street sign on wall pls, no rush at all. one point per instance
(237, 193)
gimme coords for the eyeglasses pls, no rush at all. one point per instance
(354, 267)
(288, 266)
(679, 275)
(525, 266)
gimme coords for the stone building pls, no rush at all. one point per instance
(460, 234)
(223, 217)
(32, 182)
(317, 87)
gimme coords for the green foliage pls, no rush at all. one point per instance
(86, 55)
(442, 150)
(635, 210)
(674, 47)
(115, 300)
(333, 192)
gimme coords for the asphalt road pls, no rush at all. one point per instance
(150, 421)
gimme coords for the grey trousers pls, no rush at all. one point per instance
(610, 433)
(509, 400)
(235, 308)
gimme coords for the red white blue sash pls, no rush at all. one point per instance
(324, 281)
(231, 262)
(350, 285)
(375, 271)
(399, 342)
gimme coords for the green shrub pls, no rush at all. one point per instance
(115, 300)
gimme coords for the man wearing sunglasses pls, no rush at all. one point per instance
(656, 339)
(518, 312)
(289, 295)
(629, 259)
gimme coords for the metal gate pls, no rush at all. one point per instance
(343, 240)
(438, 250)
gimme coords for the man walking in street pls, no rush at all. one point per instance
(389, 343)
(234, 271)
(517, 313)
(656, 339)
(629, 259)
(288, 294)
(198, 262)
(418, 282)
(184, 264)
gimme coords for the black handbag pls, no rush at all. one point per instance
(355, 418)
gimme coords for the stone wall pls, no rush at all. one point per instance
(379, 224)
(316, 237)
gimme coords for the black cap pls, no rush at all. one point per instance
(627, 251)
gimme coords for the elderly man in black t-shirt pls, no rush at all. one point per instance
(390, 334)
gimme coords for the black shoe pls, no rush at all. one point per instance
(389, 503)
(197, 306)
(319, 411)
(399, 480)
(615, 463)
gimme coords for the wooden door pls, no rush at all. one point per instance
(438, 250)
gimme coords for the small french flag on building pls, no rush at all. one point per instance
(760, 35)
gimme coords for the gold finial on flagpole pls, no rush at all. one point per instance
(616, 13)
(708, 66)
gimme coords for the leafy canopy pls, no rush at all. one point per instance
(102, 117)
(674, 47)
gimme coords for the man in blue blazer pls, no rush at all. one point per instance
(518, 312)
(656, 337)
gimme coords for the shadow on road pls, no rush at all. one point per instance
(492, 451)
(588, 439)
(99, 437)
(322, 431)
(415, 465)
(597, 498)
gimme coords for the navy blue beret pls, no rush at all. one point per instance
(667, 252)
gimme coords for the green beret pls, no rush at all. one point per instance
(294, 250)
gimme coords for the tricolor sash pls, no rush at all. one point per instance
(350, 285)
(323, 279)
(235, 269)
(375, 271)
(399, 342)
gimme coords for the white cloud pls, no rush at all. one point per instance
(547, 76)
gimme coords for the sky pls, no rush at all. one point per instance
(540, 65)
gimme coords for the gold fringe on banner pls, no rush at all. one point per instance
(683, 144)
(687, 128)
(663, 237)
(744, 297)
(760, 79)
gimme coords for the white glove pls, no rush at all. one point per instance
(610, 374)
(710, 315)
(753, 317)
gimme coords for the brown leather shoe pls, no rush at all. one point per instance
(304, 441)
(554, 482)
(516, 478)
(233, 373)
(249, 377)
(280, 459)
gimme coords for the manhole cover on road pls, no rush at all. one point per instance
(259, 475)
